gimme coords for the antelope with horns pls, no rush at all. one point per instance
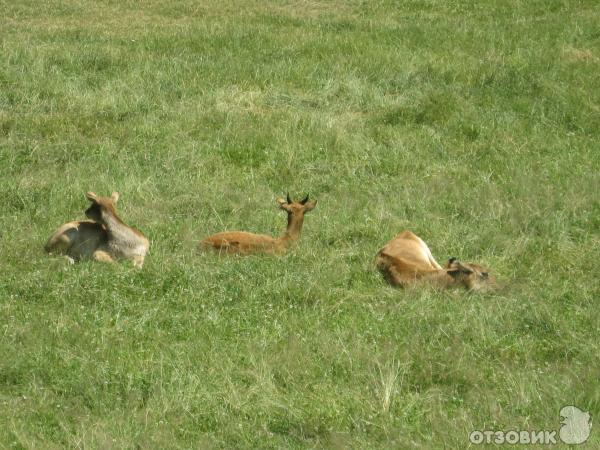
(244, 243)
(406, 261)
(103, 238)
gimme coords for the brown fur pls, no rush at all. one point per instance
(104, 238)
(244, 243)
(406, 261)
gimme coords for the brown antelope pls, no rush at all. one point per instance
(244, 243)
(406, 260)
(104, 238)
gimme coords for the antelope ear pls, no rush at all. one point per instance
(454, 265)
(283, 204)
(310, 205)
(91, 196)
(462, 267)
(115, 197)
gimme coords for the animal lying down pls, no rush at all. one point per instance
(406, 261)
(244, 243)
(103, 238)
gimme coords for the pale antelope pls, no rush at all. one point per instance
(406, 260)
(104, 238)
(243, 243)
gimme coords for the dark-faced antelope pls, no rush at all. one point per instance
(406, 260)
(104, 238)
(244, 243)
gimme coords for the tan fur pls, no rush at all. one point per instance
(244, 243)
(406, 261)
(104, 238)
(77, 240)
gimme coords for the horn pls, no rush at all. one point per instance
(304, 200)
(289, 200)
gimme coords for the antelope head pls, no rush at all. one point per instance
(296, 208)
(102, 207)
(473, 276)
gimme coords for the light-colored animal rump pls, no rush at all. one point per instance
(78, 240)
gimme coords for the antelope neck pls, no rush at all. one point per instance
(444, 278)
(294, 227)
(117, 230)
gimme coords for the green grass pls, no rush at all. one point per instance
(472, 123)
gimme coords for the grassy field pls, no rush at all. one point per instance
(473, 123)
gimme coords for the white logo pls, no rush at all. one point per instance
(575, 429)
(576, 425)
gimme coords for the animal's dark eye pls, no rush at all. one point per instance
(484, 274)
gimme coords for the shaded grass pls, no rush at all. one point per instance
(471, 123)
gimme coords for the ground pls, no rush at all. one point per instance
(472, 123)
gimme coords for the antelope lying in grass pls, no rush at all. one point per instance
(406, 260)
(244, 243)
(104, 238)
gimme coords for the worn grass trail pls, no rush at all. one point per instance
(472, 123)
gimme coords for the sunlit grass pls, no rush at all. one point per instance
(474, 124)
